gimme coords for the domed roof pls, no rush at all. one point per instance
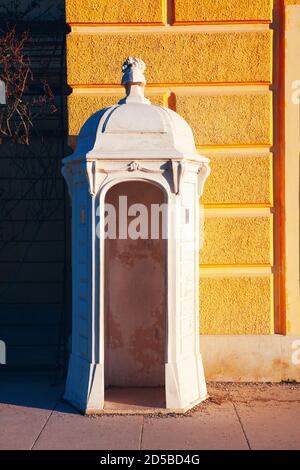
(135, 127)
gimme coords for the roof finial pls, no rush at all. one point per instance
(134, 80)
(133, 71)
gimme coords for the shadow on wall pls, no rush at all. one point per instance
(34, 206)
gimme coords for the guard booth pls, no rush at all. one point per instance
(135, 181)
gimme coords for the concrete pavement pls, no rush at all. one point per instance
(237, 416)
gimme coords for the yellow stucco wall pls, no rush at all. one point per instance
(212, 63)
(241, 305)
(201, 62)
(227, 10)
(214, 118)
(239, 179)
(115, 11)
(236, 238)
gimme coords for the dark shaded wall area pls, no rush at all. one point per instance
(34, 205)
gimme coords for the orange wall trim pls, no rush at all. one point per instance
(280, 180)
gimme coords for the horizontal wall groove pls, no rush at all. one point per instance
(113, 25)
(96, 28)
(238, 210)
(238, 146)
(237, 151)
(236, 271)
(206, 85)
(226, 266)
(75, 24)
(238, 206)
(221, 22)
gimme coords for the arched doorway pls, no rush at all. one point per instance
(135, 286)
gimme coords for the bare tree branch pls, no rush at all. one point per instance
(17, 117)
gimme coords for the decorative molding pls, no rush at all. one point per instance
(89, 170)
(178, 169)
(132, 166)
(203, 174)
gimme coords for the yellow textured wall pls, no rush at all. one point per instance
(96, 58)
(236, 239)
(236, 305)
(227, 10)
(239, 179)
(213, 65)
(115, 11)
(228, 119)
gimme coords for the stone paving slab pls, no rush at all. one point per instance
(271, 426)
(20, 426)
(212, 427)
(26, 402)
(67, 429)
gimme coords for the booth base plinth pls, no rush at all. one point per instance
(138, 401)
